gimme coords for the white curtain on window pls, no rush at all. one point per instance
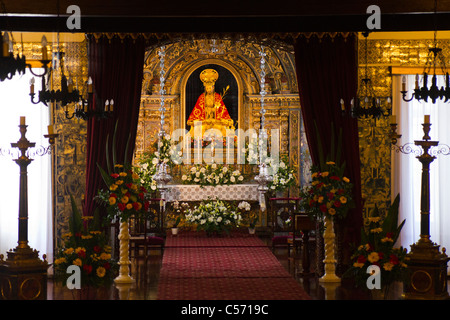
(14, 103)
(407, 169)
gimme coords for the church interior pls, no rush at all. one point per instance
(241, 151)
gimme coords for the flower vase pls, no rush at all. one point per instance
(174, 231)
(330, 259)
(124, 260)
(251, 230)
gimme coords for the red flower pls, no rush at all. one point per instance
(340, 191)
(381, 255)
(311, 203)
(121, 206)
(82, 254)
(335, 178)
(87, 268)
(129, 185)
(330, 195)
(97, 249)
(362, 259)
(107, 266)
(146, 205)
(141, 196)
(393, 259)
(115, 175)
(337, 204)
(323, 208)
(113, 195)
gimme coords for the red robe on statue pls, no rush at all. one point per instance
(198, 113)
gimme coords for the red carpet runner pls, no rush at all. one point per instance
(239, 267)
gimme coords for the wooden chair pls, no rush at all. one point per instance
(147, 232)
(280, 210)
(303, 226)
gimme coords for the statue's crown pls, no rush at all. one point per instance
(209, 76)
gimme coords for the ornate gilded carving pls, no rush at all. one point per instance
(283, 103)
(375, 147)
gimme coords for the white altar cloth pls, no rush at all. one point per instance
(239, 192)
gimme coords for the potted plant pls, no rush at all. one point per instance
(378, 249)
(250, 217)
(176, 215)
(87, 247)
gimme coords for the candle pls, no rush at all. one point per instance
(89, 84)
(32, 85)
(22, 121)
(44, 48)
(111, 105)
(417, 81)
(342, 105)
(70, 86)
(403, 83)
(5, 44)
(393, 119)
(427, 119)
(107, 106)
(50, 129)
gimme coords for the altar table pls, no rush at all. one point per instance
(238, 192)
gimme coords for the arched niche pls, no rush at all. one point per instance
(191, 88)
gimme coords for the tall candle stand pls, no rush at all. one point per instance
(23, 275)
(427, 265)
(263, 178)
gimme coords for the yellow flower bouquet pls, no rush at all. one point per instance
(86, 247)
(126, 196)
(377, 248)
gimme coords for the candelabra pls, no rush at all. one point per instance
(23, 275)
(86, 107)
(162, 177)
(10, 64)
(428, 266)
(263, 178)
(366, 104)
(435, 59)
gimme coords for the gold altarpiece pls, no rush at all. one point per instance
(242, 60)
(283, 109)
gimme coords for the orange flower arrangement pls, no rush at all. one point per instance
(126, 196)
(330, 193)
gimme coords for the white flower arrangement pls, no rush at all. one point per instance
(213, 216)
(212, 175)
(163, 151)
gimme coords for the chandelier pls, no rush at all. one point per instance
(435, 60)
(10, 64)
(84, 106)
(366, 104)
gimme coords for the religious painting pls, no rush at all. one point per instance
(212, 97)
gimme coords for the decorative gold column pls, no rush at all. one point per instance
(23, 276)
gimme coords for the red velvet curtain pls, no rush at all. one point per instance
(327, 70)
(116, 68)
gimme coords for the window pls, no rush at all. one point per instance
(14, 103)
(407, 169)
